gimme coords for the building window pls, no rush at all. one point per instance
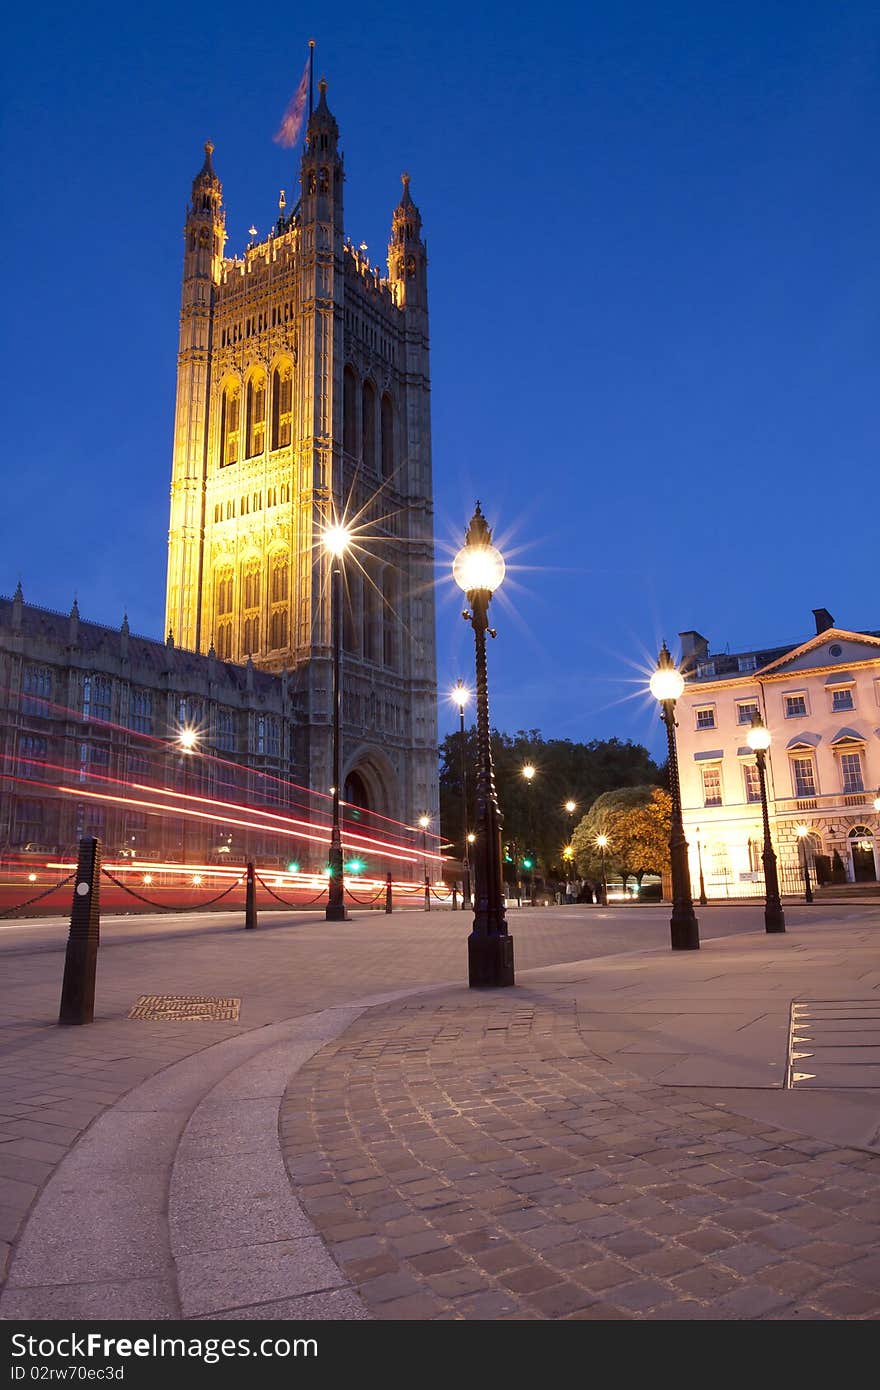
(746, 710)
(250, 636)
(804, 776)
(705, 717)
(278, 629)
(251, 588)
(224, 641)
(795, 706)
(256, 415)
(280, 571)
(851, 770)
(229, 424)
(282, 405)
(140, 711)
(387, 437)
(755, 862)
(267, 740)
(349, 422)
(368, 416)
(752, 782)
(285, 492)
(225, 731)
(711, 785)
(224, 593)
(841, 700)
(36, 690)
(32, 749)
(96, 700)
(747, 663)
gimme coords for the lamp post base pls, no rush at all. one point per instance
(685, 934)
(490, 960)
(336, 913)
(774, 919)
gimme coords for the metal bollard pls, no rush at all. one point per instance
(81, 960)
(250, 903)
(388, 902)
(427, 894)
(454, 896)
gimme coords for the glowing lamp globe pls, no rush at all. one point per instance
(460, 694)
(877, 803)
(424, 821)
(758, 738)
(528, 772)
(602, 841)
(337, 539)
(667, 683)
(570, 807)
(478, 567)
(802, 831)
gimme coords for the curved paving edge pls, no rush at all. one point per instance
(175, 1202)
(480, 1159)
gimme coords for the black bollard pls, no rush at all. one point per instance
(80, 963)
(454, 896)
(427, 894)
(388, 902)
(250, 904)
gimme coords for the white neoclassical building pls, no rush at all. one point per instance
(820, 699)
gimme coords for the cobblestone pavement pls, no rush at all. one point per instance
(491, 1156)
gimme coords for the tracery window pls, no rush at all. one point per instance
(282, 405)
(229, 424)
(256, 415)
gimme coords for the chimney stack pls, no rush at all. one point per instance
(824, 620)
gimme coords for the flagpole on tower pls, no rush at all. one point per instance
(311, 75)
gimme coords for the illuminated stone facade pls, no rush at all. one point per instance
(303, 393)
(820, 699)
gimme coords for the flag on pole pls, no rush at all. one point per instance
(291, 122)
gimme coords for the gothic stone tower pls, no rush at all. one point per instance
(303, 393)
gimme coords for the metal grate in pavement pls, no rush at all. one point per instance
(185, 1008)
(834, 1044)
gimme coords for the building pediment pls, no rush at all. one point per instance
(832, 648)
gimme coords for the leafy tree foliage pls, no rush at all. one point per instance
(636, 821)
(534, 815)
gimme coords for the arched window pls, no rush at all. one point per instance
(387, 436)
(250, 636)
(256, 414)
(250, 585)
(369, 425)
(372, 614)
(224, 593)
(230, 510)
(282, 405)
(285, 492)
(224, 641)
(390, 619)
(278, 629)
(279, 582)
(230, 423)
(349, 404)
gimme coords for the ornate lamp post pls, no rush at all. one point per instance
(568, 853)
(802, 833)
(667, 684)
(336, 541)
(424, 822)
(528, 773)
(478, 570)
(461, 695)
(188, 743)
(703, 898)
(602, 845)
(758, 739)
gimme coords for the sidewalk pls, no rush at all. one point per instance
(613, 1138)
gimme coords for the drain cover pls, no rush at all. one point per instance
(834, 1044)
(185, 1008)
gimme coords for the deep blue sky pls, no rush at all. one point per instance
(653, 236)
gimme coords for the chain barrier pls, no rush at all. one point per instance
(286, 901)
(367, 902)
(441, 897)
(10, 911)
(170, 907)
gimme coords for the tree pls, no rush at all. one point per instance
(534, 814)
(636, 821)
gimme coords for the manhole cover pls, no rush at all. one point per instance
(185, 1008)
(834, 1044)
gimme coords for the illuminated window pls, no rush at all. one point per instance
(229, 424)
(278, 628)
(224, 593)
(745, 711)
(795, 706)
(251, 587)
(285, 492)
(224, 641)
(804, 776)
(272, 497)
(267, 736)
(282, 405)
(256, 415)
(752, 782)
(706, 717)
(97, 697)
(711, 776)
(851, 771)
(250, 636)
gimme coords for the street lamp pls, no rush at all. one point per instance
(703, 898)
(424, 822)
(802, 833)
(188, 743)
(528, 773)
(667, 684)
(461, 695)
(336, 541)
(602, 845)
(758, 739)
(478, 569)
(570, 808)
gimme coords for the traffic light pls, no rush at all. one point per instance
(508, 857)
(528, 862)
